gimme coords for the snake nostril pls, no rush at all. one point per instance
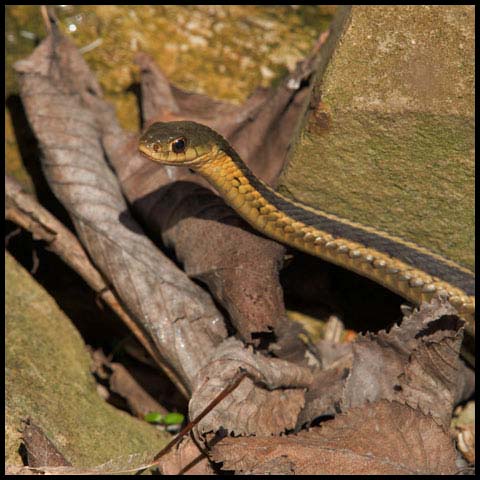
(156, 147)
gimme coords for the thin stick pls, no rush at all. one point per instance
(46, 18)
(234, 383)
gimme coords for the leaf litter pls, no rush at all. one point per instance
(391, 393)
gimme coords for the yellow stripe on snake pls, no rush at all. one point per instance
(403, 267)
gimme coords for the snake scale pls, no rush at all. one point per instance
(401, 266)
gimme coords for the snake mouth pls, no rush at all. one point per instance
(159, 156)
(165, 157)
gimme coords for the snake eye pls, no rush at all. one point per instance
(179, 145)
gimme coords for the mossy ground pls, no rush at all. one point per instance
(48, 379)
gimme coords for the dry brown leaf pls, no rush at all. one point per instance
(265, 403)
(63, 104)
(383, 438)
(324, 394)
(139, 401)
(123, 383)
(416, 362)
(186, 459)
(125, 464)
(215, 246)
(40, 450)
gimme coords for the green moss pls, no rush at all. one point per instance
(48, 379)
(23, 29)
(389, 140)
(223, 51)
(411, 175)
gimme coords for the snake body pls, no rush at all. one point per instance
(403, 267)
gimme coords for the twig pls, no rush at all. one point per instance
(240, 375)
(234, 383)
(47, 19)
(12, 234)
(35, 262)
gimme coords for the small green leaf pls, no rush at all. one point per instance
(154, 417)
(173, 418)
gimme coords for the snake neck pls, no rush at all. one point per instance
(250, 197)
(368, 252)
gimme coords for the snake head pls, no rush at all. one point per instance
(188, 144)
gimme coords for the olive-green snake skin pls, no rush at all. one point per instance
(403, 267)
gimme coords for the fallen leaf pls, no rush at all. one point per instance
(180, 317)
(215, 246)
(186, 459)
(383, 438)
(416, 363)
(40, 450)
(267, 402)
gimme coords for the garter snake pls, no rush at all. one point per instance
(407, 269)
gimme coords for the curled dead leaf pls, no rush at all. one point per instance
(265, 403)
(383, 438)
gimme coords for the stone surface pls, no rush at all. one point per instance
(48, 379)
(388, 138)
